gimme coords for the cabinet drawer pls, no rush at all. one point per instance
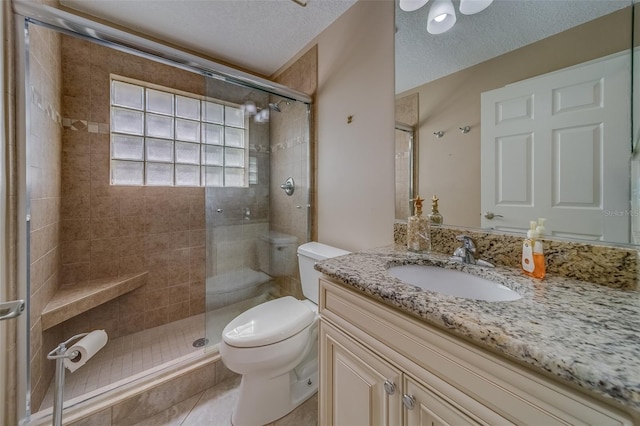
(514, 392)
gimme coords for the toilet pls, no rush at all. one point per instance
(274, 346)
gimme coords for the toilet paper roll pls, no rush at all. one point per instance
(87, 347)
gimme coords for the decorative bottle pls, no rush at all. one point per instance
(435, 218)
(418, 234)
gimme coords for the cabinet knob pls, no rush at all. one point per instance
(389, 387)
(409, 401)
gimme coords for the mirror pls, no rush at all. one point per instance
(511, 44)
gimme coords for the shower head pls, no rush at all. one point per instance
(276, 106)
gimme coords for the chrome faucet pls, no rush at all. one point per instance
(466, 253)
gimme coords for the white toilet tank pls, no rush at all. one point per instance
(276, 253)
(308, 255)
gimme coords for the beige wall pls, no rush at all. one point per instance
(450, 166)
(355, 183)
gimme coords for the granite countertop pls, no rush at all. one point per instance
(581, 332)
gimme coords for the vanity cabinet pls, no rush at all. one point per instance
(361, 388)
(379, 366)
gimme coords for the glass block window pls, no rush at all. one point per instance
(166, 138)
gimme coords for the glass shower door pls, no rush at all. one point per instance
(252, 226)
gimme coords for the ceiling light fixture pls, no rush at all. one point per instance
(262, 116)
(442, 16)
(411, 5)
(249, 108)
(470, 7)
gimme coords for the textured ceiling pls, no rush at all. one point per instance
(504, 26)
(263, 35)
(258, 35)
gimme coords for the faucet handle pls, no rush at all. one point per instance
(467, 242)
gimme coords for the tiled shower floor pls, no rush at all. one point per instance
(128, 355)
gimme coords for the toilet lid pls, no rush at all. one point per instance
(268, 323)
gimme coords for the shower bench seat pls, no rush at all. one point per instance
(73, 299)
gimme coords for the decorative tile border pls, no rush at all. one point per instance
(615, 267)
(77, 124)
(46, 107)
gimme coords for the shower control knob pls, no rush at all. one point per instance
(389, 387)
(288, 186)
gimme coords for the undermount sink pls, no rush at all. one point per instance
(453, 283)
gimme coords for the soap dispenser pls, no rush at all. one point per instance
(435, 218)
(538, 251)
(418, 233)
(528, 263)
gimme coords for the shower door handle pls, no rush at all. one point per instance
(11, 309)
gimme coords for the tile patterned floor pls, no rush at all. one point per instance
(128, 355)
(213, 407)
(133, 354)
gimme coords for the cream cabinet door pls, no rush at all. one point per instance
(426, 408)
(357, 388)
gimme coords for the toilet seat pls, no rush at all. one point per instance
(268, 323)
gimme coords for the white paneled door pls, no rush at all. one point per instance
(558, 146)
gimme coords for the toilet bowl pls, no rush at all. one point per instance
(274, 347)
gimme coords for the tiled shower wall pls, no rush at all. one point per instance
(45, 171)
(109, 230)
(291, 143)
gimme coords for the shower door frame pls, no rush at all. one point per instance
(28, 13)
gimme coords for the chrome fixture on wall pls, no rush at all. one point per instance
(275, 106)
(288, 186)
(465, 129)
(439, 134)
(261, 115)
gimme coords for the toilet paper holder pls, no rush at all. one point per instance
(60, 355)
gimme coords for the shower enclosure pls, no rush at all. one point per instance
(150, 186)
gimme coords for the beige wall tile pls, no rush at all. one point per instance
(107, 227)
(133, 226)
(77, 251)
(162, 397)
(75, 273)
(101, 418)
(104, 206)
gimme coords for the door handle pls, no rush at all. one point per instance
(490, 215)
(11, 309)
